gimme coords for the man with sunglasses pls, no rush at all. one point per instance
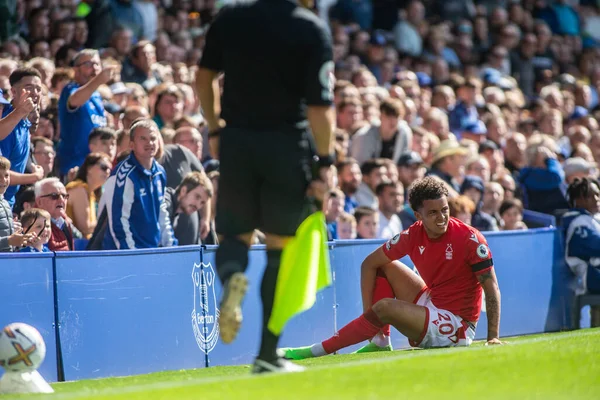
(51, 195)
(80, 109)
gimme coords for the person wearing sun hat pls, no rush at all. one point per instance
(449, 163)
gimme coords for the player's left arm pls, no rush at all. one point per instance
(489, 283)
(480, 258)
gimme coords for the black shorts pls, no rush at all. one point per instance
(263, 180)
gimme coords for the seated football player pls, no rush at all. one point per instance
(439, 308)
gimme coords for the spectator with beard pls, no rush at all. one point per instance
(391, 199)
(473, 188)
(349, 178)
(333, 207)
(193, 194)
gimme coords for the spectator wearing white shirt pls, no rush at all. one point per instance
(391, 199)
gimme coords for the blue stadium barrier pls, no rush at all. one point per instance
(523, 261)
(27, 295)
(534, 219)
(139, 311)
(128, 312)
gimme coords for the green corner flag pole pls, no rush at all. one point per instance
(304, 270)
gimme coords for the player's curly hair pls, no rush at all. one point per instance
(580, 188)
(428, 188)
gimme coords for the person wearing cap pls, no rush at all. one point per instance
(464, 112)
(376, 53)
(80, 109)
(474, 131)
(473, 187)
(448, 163)
(577, 168)
(120, 92)
(410, 168)
(389, 139)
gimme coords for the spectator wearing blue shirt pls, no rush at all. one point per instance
(582, 234)
(80, 109)
(134, 196)
(349, 177)
(465, 112)
(333, 207)
(26, 91)
(543, 181)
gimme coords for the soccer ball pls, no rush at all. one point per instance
(22, 348)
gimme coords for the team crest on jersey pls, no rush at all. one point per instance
(449, 251)
(205, 315)
(483, 251)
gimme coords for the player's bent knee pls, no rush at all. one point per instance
(383, 309)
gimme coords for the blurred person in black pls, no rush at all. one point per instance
(277, 59)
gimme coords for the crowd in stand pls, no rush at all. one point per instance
(497, 98)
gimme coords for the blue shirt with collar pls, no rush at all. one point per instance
(76, 126)
(15, 147)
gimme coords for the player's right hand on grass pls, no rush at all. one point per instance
(494, 341)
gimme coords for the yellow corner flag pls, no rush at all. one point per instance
(304, 270)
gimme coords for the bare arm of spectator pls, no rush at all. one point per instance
(17, 178)
(83, 94)
(8, 123)
(80, 203)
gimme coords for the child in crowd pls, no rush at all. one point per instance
(346, 226)
(37, 222)
(511, 212)
(367, 222)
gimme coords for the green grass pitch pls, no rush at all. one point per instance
(550, 366)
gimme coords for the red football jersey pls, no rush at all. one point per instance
(448, 264)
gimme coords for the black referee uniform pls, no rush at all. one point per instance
(277, 59)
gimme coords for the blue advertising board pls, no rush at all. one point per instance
(27, 295)
(129, 312)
